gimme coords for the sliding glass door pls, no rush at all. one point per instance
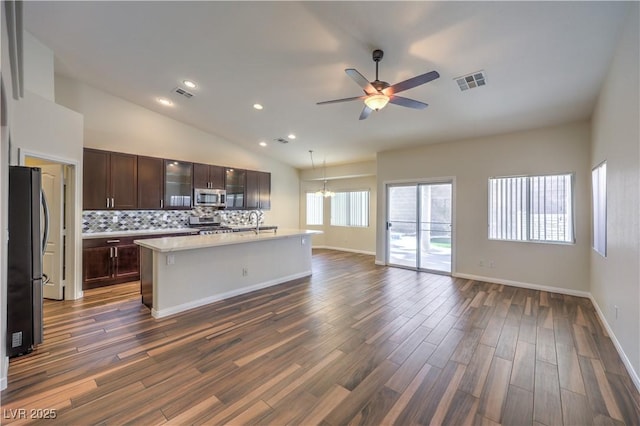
(419, 231)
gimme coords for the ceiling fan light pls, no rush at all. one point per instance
(376, 102)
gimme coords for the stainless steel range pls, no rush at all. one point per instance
(207, 225)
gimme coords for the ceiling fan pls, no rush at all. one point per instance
(379, 93)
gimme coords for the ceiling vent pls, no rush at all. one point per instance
(469, 81)
(281, 140)
(181, 91)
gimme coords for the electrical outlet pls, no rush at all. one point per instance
(164, 217)
(171, 259)
(616, 310)
(303, 241)
(245, 272)
(115, 218)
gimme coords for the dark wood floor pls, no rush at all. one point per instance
(354, 344)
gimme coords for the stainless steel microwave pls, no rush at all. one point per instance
(204, 197)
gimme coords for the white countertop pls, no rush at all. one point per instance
(115, 234)
(169, 244)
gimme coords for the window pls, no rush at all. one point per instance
(350, 209)
(531, 208)
(315, 209)
(599, 183)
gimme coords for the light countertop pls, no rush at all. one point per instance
(115, 234)
(169, 244)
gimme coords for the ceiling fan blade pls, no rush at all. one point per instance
(406, 102)
(411, 83)
(361, 80)
(365, 112)
(335, 101)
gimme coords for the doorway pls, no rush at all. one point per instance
(419, 226)
(55, 256)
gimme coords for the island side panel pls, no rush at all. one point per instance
(146, 276)
(190, 278)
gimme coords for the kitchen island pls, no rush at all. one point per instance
(182, 273)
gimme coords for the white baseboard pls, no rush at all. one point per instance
(551, 289)
(161, 313)
(371, 253)
(625, 360)
(380, 263)
(623, 356)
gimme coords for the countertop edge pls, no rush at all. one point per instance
(195, 242)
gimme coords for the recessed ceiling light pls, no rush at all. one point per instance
(164, 101)
(263, 143)
(257, 106)
(292, 136)
(190, 84)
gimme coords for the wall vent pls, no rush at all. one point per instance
(181, 91)
(281, 140)
(469, 81)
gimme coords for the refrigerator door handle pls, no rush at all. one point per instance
(45, 207)
(45, 279)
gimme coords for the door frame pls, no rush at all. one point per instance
(406, 182)
(73, 260)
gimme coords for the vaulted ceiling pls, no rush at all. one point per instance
(544, 63)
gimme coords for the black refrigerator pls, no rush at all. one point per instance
(24, 260)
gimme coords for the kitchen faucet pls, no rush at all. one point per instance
(257, 230)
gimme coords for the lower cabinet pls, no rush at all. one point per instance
(108, 261)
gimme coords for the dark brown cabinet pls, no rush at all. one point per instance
(258, 190)
(208, 176)
(235, 180)
(150, 183)
(107, 261)
(109, 180)
(178, 183)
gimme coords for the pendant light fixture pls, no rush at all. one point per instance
(324, 191)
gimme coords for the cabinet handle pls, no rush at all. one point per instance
(112, 241)
(162, 204)
(116, 250)
(113, 204)
(111, 252)
(107, 203)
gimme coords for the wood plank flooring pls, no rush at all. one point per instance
(355, 343)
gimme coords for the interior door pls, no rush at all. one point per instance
(53, 253)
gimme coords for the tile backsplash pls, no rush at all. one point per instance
(134, 220)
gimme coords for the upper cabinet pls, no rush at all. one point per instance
(178, 182)
(113, 180)
(208, 176)
(109, 180)
(150, 183)
(258, 190)
(234, 184)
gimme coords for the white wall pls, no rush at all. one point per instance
(38, 68)
(543, 151)
(112, 123)
(360, 240)
(615, 280)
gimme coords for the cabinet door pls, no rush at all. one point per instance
(201, 175)
(150, 180)
(265, 190)
(97, 267)
(252, 190)
(126, 260)
(95, 180)
(124, 180)
(216, 177)
(177, 184)
(234, 184)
